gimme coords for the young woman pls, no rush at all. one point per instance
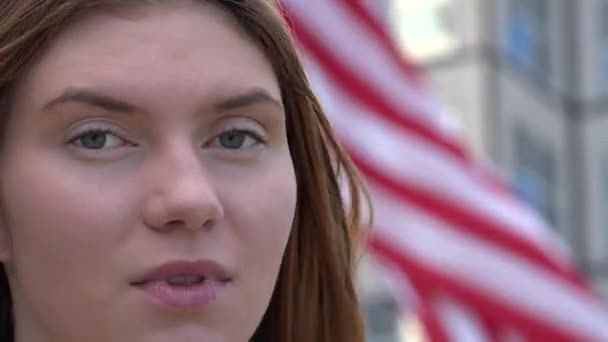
(166, 174)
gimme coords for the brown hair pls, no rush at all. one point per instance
(314, 298)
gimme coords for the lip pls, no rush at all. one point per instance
(203, 268)
(154, 283)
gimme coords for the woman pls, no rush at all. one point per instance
(167, 175)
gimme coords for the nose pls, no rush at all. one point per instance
(181, 195)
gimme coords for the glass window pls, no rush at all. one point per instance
(603, 182)
(527, 36)
(382, 315)
(535, 176)
(427, 30)
(602, 46)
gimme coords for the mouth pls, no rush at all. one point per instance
(182, 280)
(184, 284)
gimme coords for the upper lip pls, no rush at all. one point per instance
(203, 268)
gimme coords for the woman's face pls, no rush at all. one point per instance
(146, 182)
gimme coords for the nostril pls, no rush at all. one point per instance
(175, 223)
(195, 224)
(208, 224)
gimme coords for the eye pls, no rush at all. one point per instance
(98, 139)
(237, 139)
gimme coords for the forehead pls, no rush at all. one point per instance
(193, 49)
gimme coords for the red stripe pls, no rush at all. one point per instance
(468, 222)
(369, 97)
(480, 227)
(367, 20)
(459, 218)
(484, 304)
(494, 184)
(493, 330)
(428, 317)
(432, 325)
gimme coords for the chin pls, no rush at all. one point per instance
(190, 334)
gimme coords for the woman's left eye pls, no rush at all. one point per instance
(98, 139)
(237, 139)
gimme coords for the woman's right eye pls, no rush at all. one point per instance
(98, 139)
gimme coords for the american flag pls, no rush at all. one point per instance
(469, 258)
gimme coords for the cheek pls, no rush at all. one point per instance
(62, 222)
(262, 212)
(67, 237)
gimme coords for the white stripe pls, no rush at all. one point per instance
(459, 324)
(342, 115)
(398, 284)
(497, 273)
(407, 158)
(347, 38)
(487, 268)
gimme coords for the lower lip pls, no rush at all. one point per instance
(188, 297)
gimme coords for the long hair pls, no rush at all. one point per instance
(314, 298)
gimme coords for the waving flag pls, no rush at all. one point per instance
(475, 263)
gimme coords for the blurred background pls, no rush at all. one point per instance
(525, 82)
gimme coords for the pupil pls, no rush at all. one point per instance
(232, 140)
(94, 140)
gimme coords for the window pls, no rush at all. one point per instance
(527, 36)
(426, 30)
(382, 315)
(602, 46)
(535, 174)
(603, 182)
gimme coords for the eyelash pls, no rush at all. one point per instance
(107, 131)
(255, 135)
(251, 133)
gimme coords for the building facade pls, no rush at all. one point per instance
(528, 80)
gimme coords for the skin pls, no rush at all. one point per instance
(120, 155)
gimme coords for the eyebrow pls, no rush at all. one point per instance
(252, 97)
(91, 98)
(86, 96)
